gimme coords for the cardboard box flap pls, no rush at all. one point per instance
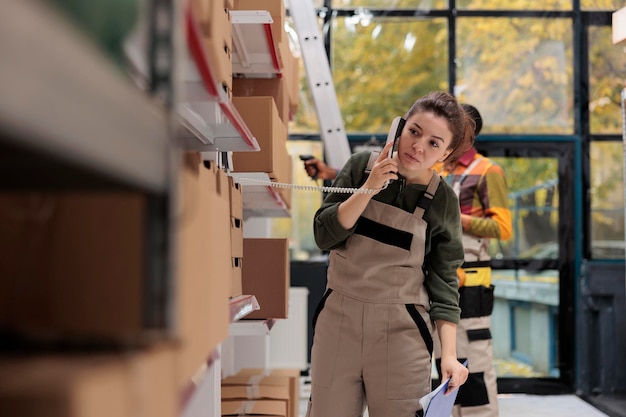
(275, 380)
(254, 408)
(255, 392)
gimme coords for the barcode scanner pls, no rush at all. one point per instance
(308, 158)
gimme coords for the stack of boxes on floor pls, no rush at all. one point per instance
(260, 266)
(254, 391)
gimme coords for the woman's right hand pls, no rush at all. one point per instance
(384, 169)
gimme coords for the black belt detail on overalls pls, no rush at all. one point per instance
(478, 334)
(320, 307)
(384, 234)
(422, 327)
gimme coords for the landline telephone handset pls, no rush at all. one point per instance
(395, 130)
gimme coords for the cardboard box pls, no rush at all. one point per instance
(236, 238)
(258, 392)
(291, 75)
(261, 87)
(259, 386)
(256, 377)
(261, 117)
(203, 264)
(236, 199)
(286, 176)
(75, 266)
(266, 275)
(262, 408)
(236, 288)
(218, 257)
(294, 383)
(294, 86)
(214, 22)
(137, 384)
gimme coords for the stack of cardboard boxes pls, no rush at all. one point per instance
(265, 392)
(104, 333)
(90, 324)
(75, 286)
(215, 24)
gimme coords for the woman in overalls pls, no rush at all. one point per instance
(394, 253)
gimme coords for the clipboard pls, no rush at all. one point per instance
(436, 404)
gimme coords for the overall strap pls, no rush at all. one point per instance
(427, 197)
(459, 180)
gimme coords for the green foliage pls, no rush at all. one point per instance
(606, 81)
(517, 71)
(381, 67)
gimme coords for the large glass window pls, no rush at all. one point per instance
(607, 200)
(514, 5)
(518, 72)
(304, 119)
(527, 297)
(601, 4)
(304, 203)
(534, 202)
(607, 78)
(392, 4)
(381, 65)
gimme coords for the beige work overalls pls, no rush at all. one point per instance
(372, 333)
(478, 397)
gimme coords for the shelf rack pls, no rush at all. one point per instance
(208, 119)
(260, 200)
(71, 118)
(208, 116)
(254, 49)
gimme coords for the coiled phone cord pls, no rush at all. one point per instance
(341, 190)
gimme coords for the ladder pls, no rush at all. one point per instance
(336, 147)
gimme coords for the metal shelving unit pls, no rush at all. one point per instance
(209, 120)
(254, 49)
(260, 200)
(68, 117)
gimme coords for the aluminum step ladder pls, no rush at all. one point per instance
(320, 81)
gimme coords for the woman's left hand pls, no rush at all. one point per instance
(453, 369)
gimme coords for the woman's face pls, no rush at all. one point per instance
(424, 141)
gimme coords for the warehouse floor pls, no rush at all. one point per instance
(514, 405)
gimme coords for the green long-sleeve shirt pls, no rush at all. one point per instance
(443, 248)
